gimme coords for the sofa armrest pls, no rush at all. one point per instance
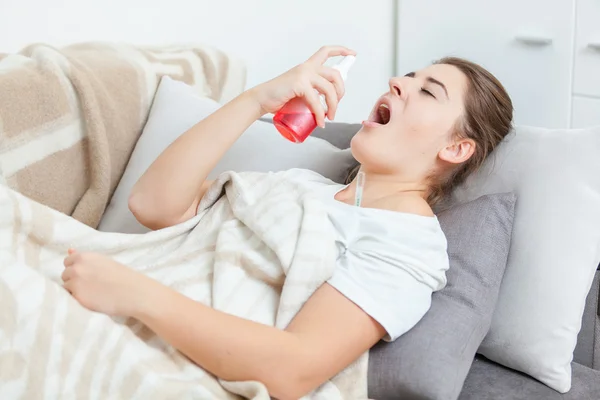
(491, 381)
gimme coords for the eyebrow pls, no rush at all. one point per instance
(431, 80)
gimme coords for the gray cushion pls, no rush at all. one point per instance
(338, 134)
(490, 381)
(596, 363)
(596, 359)
(432, 360)
(584, 352)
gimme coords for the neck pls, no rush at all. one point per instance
(378, 186)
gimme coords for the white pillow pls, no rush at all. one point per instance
(175, 109)
(555, 247)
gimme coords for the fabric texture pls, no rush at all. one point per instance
(432, 360)
(69, 117)
(584, 352)
(555, 247)
(176, 108)
(596, 363)
(388, 263)
(490, 381)
(54, 348)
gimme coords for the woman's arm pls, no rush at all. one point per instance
(170, 190)
(327, 334)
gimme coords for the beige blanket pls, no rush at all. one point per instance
(257, 251)
(70, 117)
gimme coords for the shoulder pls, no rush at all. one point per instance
(407, 204)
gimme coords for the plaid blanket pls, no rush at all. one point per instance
(258, 248)
(70, 117)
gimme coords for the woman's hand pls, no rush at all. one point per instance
(301, 81)
(104, 285)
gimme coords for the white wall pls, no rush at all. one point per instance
(270, 35)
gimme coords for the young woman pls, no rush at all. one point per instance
(424, 136)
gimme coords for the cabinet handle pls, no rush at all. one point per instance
(534, 40)
(594, 45)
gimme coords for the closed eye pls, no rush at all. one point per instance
(427, 92)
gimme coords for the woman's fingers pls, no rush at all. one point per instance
(330, 51)
(69, 260)
(312, 99)
(328, 90)
(334, 76)
(326, 81)
(67, 274)
(68, 285)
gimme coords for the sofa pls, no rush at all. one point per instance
(100, 156)
(488, 380)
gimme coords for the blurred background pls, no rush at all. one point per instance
(546, 52)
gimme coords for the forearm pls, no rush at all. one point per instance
(173, 180)
(231, 348)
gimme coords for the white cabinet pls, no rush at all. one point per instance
(587, 48)
(528, 45)
(586, 112)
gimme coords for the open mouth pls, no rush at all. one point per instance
(381, 114)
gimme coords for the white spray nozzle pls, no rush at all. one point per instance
(345, 65)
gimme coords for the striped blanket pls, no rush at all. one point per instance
(258, 248)
(70, 117)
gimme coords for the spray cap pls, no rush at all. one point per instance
(344, 66)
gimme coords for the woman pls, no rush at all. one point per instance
(423, 137)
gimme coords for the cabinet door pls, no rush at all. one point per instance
(586, 112)
(528, 45)
(587, 48)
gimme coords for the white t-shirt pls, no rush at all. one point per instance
(389, 263)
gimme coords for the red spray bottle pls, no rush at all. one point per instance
(295, 120)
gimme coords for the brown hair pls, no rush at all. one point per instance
(487, 120)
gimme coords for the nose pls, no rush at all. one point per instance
(398, 86)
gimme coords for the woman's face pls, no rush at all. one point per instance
(410, 128)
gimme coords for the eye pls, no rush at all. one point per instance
(427, 92)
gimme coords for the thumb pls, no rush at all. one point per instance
(72, 251)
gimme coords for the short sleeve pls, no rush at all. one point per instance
(389, 265)
(388, 294)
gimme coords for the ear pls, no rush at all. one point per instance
(458, 152)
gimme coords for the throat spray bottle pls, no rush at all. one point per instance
(295, 120)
